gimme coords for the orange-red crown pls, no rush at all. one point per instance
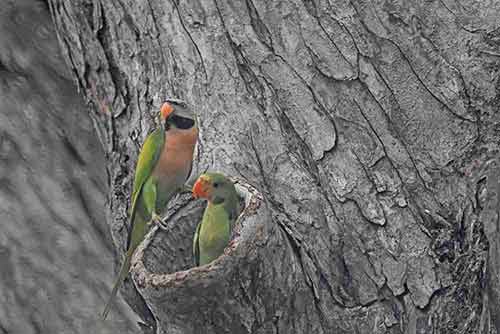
(202, 187)
(166, 110)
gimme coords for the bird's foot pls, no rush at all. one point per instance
(232, 243)
(156, 220)
(234, 238)
(231, 246)
(161, 224)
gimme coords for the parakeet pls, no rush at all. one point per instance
(163, 166)
(214, 231)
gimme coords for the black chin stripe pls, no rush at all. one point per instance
(181, 122)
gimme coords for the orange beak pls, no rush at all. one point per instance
(166, 110)
(201, 188)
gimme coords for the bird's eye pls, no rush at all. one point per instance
(216, 184)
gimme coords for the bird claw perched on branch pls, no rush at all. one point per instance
(162, 224)
(155, 220)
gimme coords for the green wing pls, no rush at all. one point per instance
(148, 157)
(196, 245)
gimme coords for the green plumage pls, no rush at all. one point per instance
(214, 231)
(144, 190)
(143, 203)
(163, 166)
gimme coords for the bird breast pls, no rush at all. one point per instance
(175, 160)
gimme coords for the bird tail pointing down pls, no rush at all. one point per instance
(121, 277)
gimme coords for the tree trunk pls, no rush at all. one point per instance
(370, 129)
(56, 254)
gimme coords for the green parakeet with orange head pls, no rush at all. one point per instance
(163, 166)
(214, 231)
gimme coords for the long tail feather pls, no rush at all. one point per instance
(121, 277)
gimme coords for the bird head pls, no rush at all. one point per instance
(176, 114)
(214, 187)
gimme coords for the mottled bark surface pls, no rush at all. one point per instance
(56, 254)
(371, 128)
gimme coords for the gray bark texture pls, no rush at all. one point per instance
(56, 253)
(370, 129)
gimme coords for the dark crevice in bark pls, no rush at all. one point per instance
(313, 11)
(442, 103)
(313, 94)
(160, 44)
(394, 129)
(267, 187)
(258, 26)
(129, 20)
(119, 81)
(296, 246)
(181, 20)
(248, 76)
(3, 329)
(398, 137)
(55, 13)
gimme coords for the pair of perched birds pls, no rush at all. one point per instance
(162, 169)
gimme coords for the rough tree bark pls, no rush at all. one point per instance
(370, 128)
(56, 254)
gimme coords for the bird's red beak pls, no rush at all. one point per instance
(166, 110)
(201, 188)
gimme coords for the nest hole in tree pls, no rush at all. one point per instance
(171, 248)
